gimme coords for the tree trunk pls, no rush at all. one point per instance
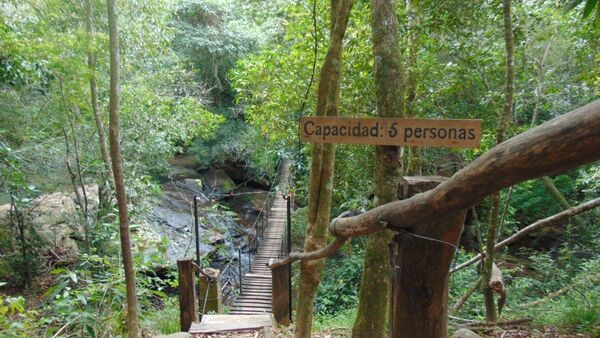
(115, 151)
(322, 166)
(374, 290)
(420, 261)
(91, 61)
(488, 294)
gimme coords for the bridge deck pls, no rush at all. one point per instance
(255, 297)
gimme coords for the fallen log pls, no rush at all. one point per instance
(592, 279)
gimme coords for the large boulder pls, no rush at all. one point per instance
(54, 218)
(185, 160)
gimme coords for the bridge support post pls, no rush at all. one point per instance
(187, 294)
(209, 292)
(281, 294)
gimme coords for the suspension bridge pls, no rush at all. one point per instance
(264, 295)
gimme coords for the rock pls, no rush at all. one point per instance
(248, 204)
(216, 181)
(465, 333)
(214, 237)
(185, 160)
(55, 220)
(175, 335)
(194, 186)
(178, 172)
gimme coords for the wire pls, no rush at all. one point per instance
(428, 238)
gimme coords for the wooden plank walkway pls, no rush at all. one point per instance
(257, 284)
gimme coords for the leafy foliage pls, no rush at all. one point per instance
(339, 287)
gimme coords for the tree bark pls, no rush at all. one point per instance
(91, 61)
(505, 117)
(420, 277)
(115, 151)
(322, 166)
(375, 282)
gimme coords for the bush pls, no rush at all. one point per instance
(15, 320)
(340, 283)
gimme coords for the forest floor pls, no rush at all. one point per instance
(520, 332)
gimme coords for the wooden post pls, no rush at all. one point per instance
(187, 294)
(209, 292)
(281, 294)
(240, 269)
(289, 250)
(420, 262)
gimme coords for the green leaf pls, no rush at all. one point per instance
(73, 277)
(572, 4)
(90, 330)
(589, 7)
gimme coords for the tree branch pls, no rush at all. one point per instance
(533, 227)
(329, 250)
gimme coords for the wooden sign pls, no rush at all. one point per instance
(391, 131)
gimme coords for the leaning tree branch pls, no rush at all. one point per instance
(329, 250)
(533, 227)
(563, 143)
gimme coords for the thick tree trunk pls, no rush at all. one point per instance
(420, 278)
(374, 290)
(322, 166)
(505, 117)
(420, 261)
(115, 151)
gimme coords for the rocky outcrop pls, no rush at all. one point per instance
(55, 220)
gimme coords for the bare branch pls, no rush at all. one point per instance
(307, 256)
(535, 226)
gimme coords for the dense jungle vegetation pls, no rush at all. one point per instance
(221, 85)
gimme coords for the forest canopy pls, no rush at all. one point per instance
(211, 98)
